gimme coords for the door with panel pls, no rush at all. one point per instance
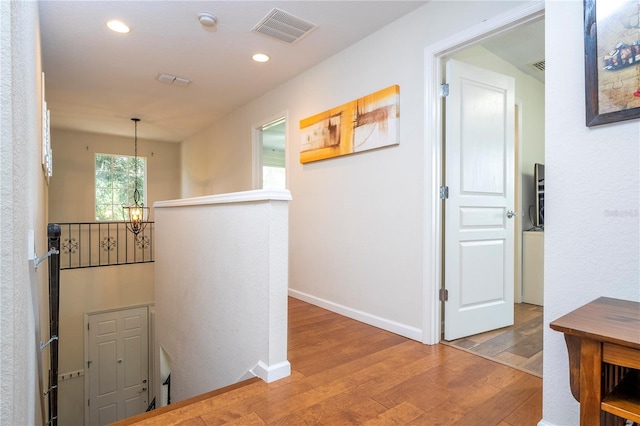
(479, 225)
(118, 365)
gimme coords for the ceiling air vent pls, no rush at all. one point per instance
(283, 26)
(539, 65)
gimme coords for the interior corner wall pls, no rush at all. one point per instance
(218, 160)
(356, 222)
(23, 193)
(591, 203)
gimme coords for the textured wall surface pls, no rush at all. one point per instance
(22, 208)
(221, 287)
(592, 200)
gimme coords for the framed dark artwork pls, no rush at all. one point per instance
(612, 60)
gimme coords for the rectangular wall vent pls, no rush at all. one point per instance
(539, 65)
(283, 26)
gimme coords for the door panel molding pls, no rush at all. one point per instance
(124, 334)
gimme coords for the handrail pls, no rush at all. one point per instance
(93, 244)
(53, 232)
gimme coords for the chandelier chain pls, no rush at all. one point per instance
(135, 153)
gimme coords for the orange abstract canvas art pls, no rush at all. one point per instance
(366, 123)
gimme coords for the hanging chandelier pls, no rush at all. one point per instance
(136, 215)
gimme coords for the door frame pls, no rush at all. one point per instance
(150, 343)
(433, 235)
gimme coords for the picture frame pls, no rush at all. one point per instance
(612, 61)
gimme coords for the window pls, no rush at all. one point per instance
(115, 182)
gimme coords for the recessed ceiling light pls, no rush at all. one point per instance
(118, 26)
(260, 57)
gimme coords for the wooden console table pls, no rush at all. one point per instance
(603, 341)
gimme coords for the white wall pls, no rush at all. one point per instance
(23, 291)
(356, 222)
(221, 289)
(72, 189)
(84, 291)
(592, 201)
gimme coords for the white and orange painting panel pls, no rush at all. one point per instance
(366, 123)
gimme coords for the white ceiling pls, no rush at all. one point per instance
(522, 47)
(96, 80)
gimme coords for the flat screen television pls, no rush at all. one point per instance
(538, 178)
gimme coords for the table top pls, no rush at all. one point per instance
(604, 319)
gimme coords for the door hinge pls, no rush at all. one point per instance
(444, 90)
(88, 364)
(444, 295)
(444, 192)
(87, 326)
(89, 402)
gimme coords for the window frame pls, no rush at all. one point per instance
(129, 189)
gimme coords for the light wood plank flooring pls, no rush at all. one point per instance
(518, 346)
(345, 372)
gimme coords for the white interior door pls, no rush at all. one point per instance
(118, 365)
(479, 174)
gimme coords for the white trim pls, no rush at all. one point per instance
(383, 323)
(271, 373)
(233, 197)
(256, 154)
(545, 423)
(434, 54)
(517, 265)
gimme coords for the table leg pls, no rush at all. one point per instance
(590, 382)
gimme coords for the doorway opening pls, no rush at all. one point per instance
(270, 154)
(435, 57)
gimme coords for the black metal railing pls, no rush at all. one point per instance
(167, 383)
(92, 244)
(53, 234)
(151, 406)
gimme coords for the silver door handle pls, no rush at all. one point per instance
(511, 213)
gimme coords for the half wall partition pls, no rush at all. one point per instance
(221, 289)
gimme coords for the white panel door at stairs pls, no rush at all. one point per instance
(118, 365)
(479, 174)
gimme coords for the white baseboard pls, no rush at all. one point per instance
(385, 324)
(545, 423)
(271, 373)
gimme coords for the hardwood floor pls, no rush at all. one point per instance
(518, 346)
(348, 373)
